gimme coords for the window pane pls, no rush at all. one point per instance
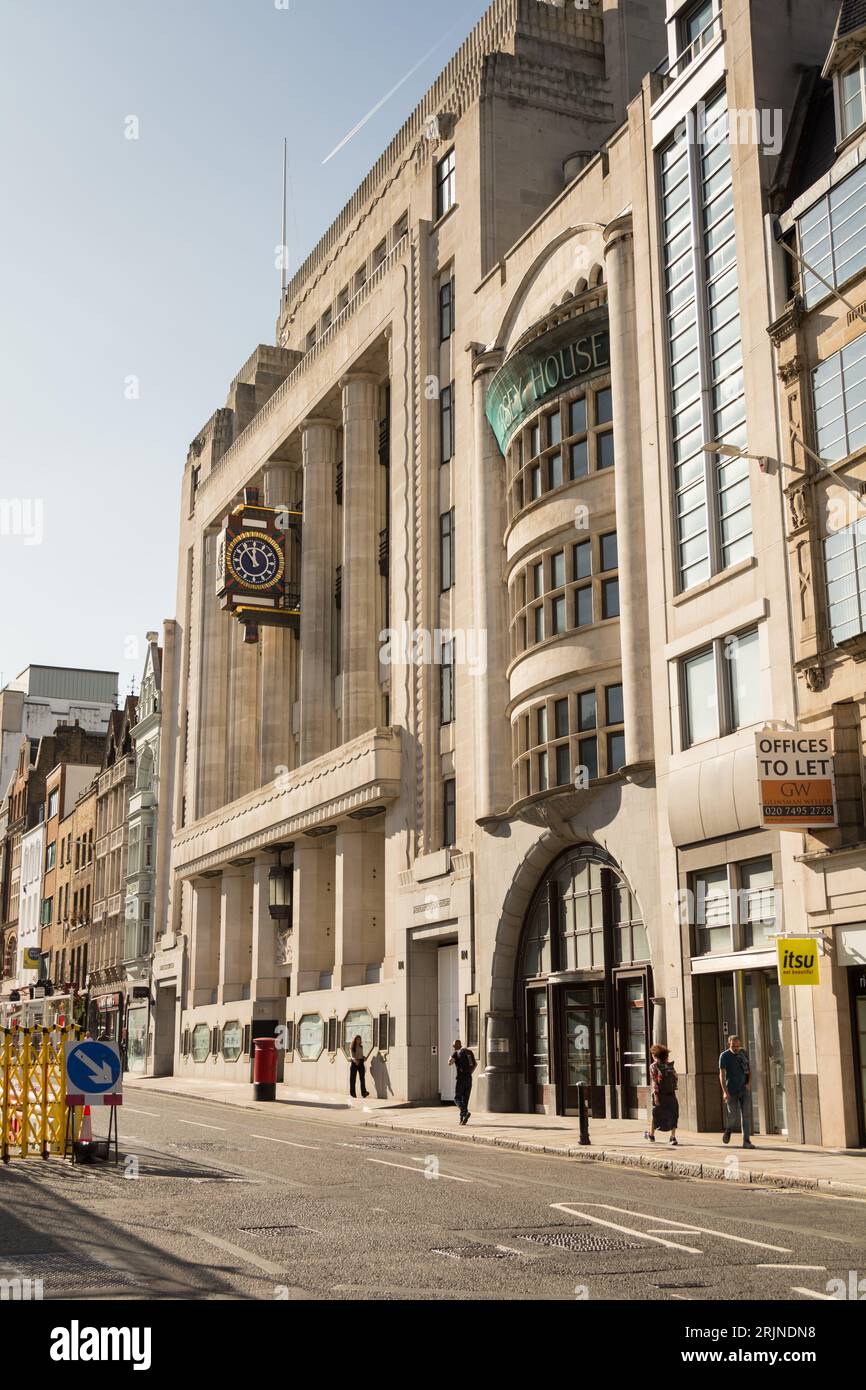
(560, 712)
(578, 416)
(603, 406)
(579, 460)
(557, 616)
(605, 450)
(563, 765)
(610, 598)
(539, 623)
(542, 724)
(608, 551)
(537, 580)
(745, 679)
(583, 606)
(535, 483)
(712, 911)
(555, 464)
(586, 710)
(614, 704)
(699, 691)
(583, 560)
(557, 569)
(615, 752)
(588, 756)
(757, 901)
(554, 428)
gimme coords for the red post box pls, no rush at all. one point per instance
(265, 1069)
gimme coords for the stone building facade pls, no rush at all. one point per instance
(522, 394)
(107, 991)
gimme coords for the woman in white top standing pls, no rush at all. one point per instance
(358, 1067)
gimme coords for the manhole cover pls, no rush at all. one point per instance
(575, 1240)
(207, 1145)
(68, 1269)
(476, 1252)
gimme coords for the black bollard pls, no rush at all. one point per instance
(583, 1114)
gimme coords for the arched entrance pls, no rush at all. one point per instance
(583, 988)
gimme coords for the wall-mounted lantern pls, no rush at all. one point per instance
(280, 890)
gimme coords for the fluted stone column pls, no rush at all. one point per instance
(212, 724)
(631, 545)
(486, 554)
(279, 657)
(360, 555)
(319, 439)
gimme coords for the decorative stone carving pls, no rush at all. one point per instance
(789, 371)
(798, 502)
(284, 946)
(788, 321)
(815, 678)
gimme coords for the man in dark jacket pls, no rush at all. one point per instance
(735, 1075)
(463, 1062)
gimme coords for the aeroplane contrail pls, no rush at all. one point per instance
(387, 97)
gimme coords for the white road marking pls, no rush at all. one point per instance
(626, 1230)
(386, 1164)
(812, 1293)
(128, 1110)
(686, 1229)
(240, 1253)
(291, 1142)
(199, 1125)
(818, 1269)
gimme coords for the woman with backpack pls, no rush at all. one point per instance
(665, 1106)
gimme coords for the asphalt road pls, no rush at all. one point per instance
(211, 1202)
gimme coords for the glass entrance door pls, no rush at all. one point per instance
(858, 1003)
(539, 1047)
(634, 1045)
(583, 1047)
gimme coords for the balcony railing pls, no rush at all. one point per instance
(671, 71)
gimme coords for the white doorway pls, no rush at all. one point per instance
(449, 1016)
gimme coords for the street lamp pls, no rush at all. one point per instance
(280, 890)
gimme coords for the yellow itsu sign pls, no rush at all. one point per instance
(796, 785)
(798, 960)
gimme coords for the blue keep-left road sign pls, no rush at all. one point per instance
(92, 1068)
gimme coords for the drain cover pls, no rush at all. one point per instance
(476, 1252)
(68, 1269)
(574, 1240)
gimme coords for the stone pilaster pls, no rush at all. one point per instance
(212, 723)
(279, 659)
(360, 664)
(359, 903)
(268, 974)
(486, 555)
(204, 969)
(317, 690)
(235, 934)
(313, 895)
(631, 546)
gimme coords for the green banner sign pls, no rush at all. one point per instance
(571, 353)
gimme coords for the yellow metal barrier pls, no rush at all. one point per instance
(33, 1091)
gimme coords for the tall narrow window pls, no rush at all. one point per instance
(446, 684)
(705, 360)
(446, 422)
(446, 550)
(449, 812)
(446, 183)
(446, 309)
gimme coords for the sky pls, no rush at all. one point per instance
(141, 173)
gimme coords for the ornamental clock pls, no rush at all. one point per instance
(258, 564)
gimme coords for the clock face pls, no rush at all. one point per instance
(255, 559)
